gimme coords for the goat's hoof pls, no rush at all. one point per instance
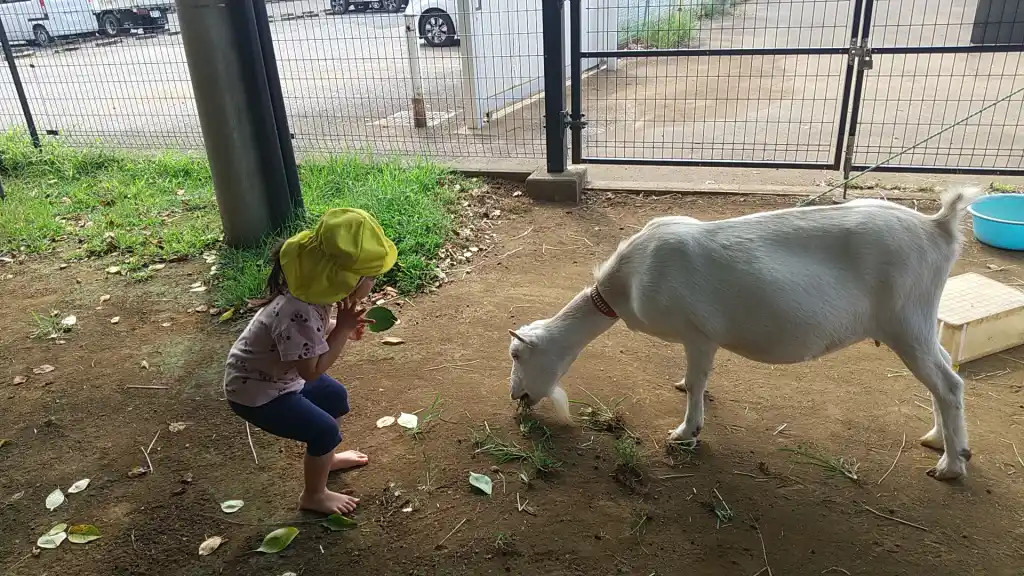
(682, 434)
(933, 440)
(681, 385)
(946, 470)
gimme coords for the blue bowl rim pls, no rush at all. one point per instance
(975, 213)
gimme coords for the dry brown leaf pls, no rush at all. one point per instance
(176, 426)
(391, 341)
(209, 545)
(202, 308)
(156, 267)
(166, 324)
(115, 319)
(198, 289)
(104, 298)
(44, 369)
(113, 269)
(19, 380)
(145, 365)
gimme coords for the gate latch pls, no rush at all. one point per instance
(569, 123)
(863, 55)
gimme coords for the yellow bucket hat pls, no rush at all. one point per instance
(323, 265)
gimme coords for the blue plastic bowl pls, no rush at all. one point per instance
(999, 220)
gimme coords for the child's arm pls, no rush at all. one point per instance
(350, 317)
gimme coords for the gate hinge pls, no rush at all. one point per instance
(863, 54)
(571, 124)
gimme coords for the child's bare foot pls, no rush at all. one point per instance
(328, 502)
(349, 459)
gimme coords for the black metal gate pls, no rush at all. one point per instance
(807, 84)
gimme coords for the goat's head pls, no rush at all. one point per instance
(539, 361)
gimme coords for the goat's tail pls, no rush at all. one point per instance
(954, 203)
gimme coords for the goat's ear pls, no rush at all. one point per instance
(518, 337)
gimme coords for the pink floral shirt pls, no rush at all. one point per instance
(260, 365)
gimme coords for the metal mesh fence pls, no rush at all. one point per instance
(347, 72)
(936, 62)
(727, 82)
(720, 81)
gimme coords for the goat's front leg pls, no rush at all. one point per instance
(699, 358)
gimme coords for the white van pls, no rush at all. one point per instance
(40, 21)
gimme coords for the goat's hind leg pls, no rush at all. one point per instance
(929, 364)
(933, 439)
(699, 358)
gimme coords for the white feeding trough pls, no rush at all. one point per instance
(979, 316)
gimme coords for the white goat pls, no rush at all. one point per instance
(776, 287)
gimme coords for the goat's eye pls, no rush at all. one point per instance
(514, 356)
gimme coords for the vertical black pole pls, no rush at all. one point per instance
(851, 67)
(576, 80)
(18, 87)
(858, 89)
(284, 134)
(554, 85)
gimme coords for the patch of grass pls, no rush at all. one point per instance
(49, 325)
(504, 543)
(154, 208)
(507, 450)
(426, 418)
(601, 417)
(628, 461)
(1001, 188)
(107, 202)
(627, 454)
(530, 427)
(723, 514)
(674, 29)
(839, 466)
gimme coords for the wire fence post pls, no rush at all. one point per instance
(412, 48)
(9, 55)
(554, 85)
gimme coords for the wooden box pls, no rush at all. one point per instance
(979, 316)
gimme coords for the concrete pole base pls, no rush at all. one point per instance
(557, 187)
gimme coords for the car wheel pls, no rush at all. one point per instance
(41, 35)
(375, 5)
(339, 6)
(392, 5)
(110, 24)
(437, 29)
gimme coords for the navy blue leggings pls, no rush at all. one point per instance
(308, 416)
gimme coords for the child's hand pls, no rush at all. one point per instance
(350, 319)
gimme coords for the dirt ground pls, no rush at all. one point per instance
(81, 421)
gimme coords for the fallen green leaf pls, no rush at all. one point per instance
(231, 506)
(227, 315)
(383, 319)
(83, 533)
(481, 482)
(278, 540)
(55, 499)
(79, 486)
(3, 442)
(58, 528)
(338, 522)
(51, 541)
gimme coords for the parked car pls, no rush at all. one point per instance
(117, 17)
(342, 6)
(435, 20)
(40, 21)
